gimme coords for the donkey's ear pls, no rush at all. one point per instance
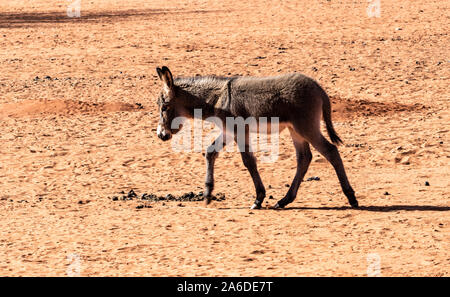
(159, 71)
(166, 76)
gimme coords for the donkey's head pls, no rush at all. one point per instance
(170, 106)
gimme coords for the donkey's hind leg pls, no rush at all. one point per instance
(304, 158)
(331, 153)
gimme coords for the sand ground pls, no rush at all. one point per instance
(72, 137)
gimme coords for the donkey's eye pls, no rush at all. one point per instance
(164, 108)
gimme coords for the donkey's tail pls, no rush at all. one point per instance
(326, 112)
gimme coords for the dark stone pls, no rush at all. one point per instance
(132, 194)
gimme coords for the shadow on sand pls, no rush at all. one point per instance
(380, 208)
(368, 208)
(23, 19)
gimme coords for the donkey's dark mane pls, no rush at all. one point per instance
(199, 80)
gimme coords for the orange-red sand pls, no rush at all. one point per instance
(71, 137)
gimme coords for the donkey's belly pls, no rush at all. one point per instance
(268, 128)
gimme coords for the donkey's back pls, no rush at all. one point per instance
(280, 96)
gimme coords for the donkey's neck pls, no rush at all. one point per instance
(202, 93)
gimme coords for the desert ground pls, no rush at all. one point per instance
(73, 137)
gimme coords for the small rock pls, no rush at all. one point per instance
(427, 184)
(406, 160)
(115, 198)
(287, 185)
(131, 194)
(386, 193)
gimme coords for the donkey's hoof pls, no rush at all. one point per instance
(354, 204)
(278, 206)
(207, 200)
(256, 206)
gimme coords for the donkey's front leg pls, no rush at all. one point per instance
(211, 154)
(250, 162)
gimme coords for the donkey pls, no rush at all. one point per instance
(297, 100)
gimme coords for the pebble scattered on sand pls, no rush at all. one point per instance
(143, 206)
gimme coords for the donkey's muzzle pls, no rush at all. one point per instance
(164, 137)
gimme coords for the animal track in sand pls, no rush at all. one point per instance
(32, 108)
(343, 107)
